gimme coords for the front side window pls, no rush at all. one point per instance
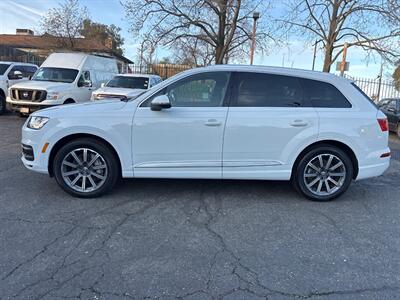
(201, 90)
(268, 90)
(29, 71)
(324, 95)
(3, 68)
(129, 82)
(55, 74)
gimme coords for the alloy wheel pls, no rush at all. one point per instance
(84, 170)
(324, 174)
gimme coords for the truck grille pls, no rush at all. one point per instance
(28, 95)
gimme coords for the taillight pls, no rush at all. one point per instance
(383, 123)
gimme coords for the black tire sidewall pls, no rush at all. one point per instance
(103, 150)
(2, 104)
(298, 178)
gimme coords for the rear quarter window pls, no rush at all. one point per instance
(324, 95)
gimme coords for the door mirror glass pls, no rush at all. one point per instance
(160, 102)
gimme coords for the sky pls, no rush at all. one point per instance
(27, 14)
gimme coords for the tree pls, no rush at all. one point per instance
(370, 24)
(65, 21)
(193, 52)
(396, 77)
(102, 32)
(224, 25)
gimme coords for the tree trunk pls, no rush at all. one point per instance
(328, 58)
(219, 50)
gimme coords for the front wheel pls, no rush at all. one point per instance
(85, 168)
(323, 174)
(2, 104)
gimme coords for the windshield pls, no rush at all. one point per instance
(56, 75)
(129, 82)
(3, 68)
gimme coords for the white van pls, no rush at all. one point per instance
(62, 79)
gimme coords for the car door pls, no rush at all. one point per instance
(268, 121)
(86, 85)
(184, 141)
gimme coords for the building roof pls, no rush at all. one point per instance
(49, 42)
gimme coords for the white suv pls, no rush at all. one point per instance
(224, 122)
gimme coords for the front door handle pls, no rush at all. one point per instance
(298, 123)
(212, 122)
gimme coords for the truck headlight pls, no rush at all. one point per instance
(37, 122)
(52, 96)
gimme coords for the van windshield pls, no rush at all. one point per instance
(56, 75)
(129, 82)
(3, 68)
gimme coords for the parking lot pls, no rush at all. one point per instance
(194, 239)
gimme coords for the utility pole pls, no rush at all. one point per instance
(315, 54)
(256, 16)
(380, 82)
(343, 64)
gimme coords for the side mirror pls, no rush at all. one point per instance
(160, 102)
(103, 84)
(87, 83)
(16, 75)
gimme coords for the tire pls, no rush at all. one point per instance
(2, 104)
(398, 130)
(328, 182)
(86, 178)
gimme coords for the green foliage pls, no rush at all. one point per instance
(101, 32)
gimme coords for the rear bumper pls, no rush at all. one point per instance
(374, 170)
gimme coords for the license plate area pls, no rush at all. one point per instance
(24, 110)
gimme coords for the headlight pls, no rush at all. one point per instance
(52, 96)
(37, 122)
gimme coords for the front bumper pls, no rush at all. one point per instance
(28, 106)
(32, 157)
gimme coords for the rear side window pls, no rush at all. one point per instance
(267, 90)
(322, 94)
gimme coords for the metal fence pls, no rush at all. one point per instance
(163, 70)
(377, 89)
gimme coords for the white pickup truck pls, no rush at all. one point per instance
(10, 74)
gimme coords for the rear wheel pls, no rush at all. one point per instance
(86, 168)
(323, 174)
(2, 104)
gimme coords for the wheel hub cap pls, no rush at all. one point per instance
(324, 174)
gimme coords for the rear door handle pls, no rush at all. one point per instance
(212, 122)
(298, 123)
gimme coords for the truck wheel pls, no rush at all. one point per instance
(2, 104)
(323, 173)
(86, 168)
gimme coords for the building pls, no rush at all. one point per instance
(24, 46)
